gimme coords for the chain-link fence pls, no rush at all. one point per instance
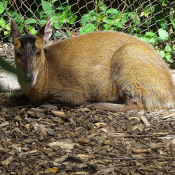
(74, 17)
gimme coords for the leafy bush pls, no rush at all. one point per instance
(107, 19)
(61, 16)
(3, 27)
(155, 40)
(112, 19)
(101, 18)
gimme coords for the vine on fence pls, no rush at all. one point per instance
(101, 18)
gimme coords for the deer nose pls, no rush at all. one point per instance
(29, 78)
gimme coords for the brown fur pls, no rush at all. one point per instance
(98, 67)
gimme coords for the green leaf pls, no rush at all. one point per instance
(30, 21)
(163, 35)
(57, 25)
(148, 39)
(15, 94)
(132, 15)
(6, 32)
(2, 6)
(109, 21)
(61, 19)
(29, 27)
(163, 23)
(168, 48)
(16, 16)
(67, 7)
(42, 22)
(161, 53)
(54, 18)
(47, 7)
(118, 24)
(137, 21)
(150, 34)
(2, 22)
(113, 17)
(69, 33)
(107, 27)
(61, 8)
(56, 22)
(173, 47)
(87, 28)
(164, 2)
(168, 57)
(67, 14)
(102, 7)
(152, 41)
(102, 17)
(150, 21)
(31, 30)
(111, 28)
(147, 11)
(88, 18)
(156, 8)
(124, 17)
(7, 27)
(72, 19)
(144, 39)
(112, 11)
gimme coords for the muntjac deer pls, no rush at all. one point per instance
(95, 67)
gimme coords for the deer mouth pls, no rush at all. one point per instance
(33, 82)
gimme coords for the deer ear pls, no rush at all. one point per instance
(45, 32)
(15, 33)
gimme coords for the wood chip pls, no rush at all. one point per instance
(145, 121)
(82, 140)
(50, 139)
(7, 161)
(59, 114)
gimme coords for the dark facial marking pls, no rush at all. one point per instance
(27, 55)
(28, 48)
(27, 41)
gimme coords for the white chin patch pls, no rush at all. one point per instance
(35, 79)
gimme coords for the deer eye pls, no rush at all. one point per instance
(38, 53)
(17, 54)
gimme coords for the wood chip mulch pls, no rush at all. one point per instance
(50, 139)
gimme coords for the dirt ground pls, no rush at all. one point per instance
(49, 139)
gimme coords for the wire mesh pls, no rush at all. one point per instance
(74, 17)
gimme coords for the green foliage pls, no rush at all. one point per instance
(154, 16)
(61, 16)
(3, 27)
(107, 19)
(101, 18)
(164, 2)
(154, 40)
(166, 53)
(16, 94)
